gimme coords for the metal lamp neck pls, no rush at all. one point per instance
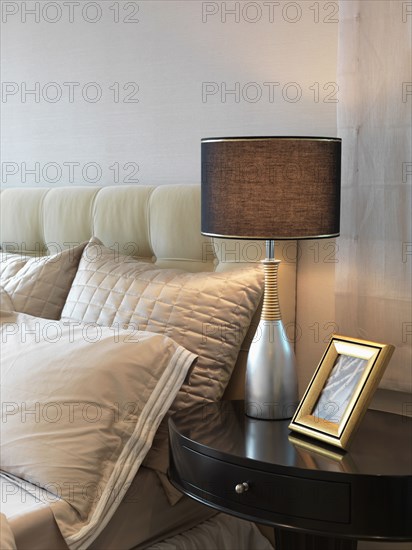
(270, 249)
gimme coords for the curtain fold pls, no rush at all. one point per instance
(373, 273)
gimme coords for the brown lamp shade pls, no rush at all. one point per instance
(271, 187)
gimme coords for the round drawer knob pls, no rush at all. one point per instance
(242, 488)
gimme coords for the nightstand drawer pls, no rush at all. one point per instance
(271, 492)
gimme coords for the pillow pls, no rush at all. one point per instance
(207, 313)
(38, 285)
(11, 264)
(5, 300)
(81, 418)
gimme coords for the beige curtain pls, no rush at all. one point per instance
(373, 273)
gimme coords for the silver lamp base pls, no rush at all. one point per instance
(271, 390)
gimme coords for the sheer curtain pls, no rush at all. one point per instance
(373, 273)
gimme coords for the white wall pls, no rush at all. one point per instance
(182, 58)
(168, 56)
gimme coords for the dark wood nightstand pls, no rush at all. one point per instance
(316, 498)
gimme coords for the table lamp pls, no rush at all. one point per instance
(271, 188)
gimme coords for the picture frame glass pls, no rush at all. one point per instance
(337, 393)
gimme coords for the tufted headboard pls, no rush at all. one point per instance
(159, 224)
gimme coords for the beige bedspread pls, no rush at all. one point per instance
(7, 541)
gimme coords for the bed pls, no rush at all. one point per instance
(109, 293)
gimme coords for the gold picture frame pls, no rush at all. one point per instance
(340, 390)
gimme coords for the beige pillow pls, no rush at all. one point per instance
(207, 313)
(38, 285)
(81, 425)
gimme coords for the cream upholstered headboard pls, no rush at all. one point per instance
(159, 224)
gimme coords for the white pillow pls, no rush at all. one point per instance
(10, 264)
(80, 407)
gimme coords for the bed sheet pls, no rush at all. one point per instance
(29, 515)
(144, 517)
(221, 531)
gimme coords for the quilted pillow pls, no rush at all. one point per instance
(11, 264)
(207, 313)
(38, 285)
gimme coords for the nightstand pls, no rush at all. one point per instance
(315, 497)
